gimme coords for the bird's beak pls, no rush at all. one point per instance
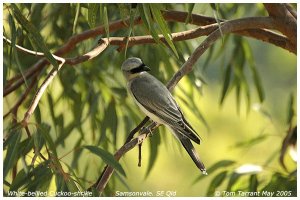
(145, 68)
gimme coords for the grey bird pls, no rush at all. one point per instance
(156, 101)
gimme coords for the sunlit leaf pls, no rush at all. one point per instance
(145, 14)
(163, 27)
(107, 157)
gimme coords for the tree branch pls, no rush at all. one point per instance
(285, 22)
(177, 16)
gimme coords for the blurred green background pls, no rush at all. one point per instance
(87, 104)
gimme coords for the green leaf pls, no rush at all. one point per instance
(20, 179)
(251, 142)
(216, 182)
(106, 23)
(13, 50)
(279, 182)
(34, 34)
(226, 83)
(133, 13)
(44, 130)
(37, 176)
(72, 187)
(145, 14)
(12, 27)
(190, 10)
(257, 80)
(12, 153)
(209, 56)
(253, 183)
(107, 157)
(163, 27)
(37, 115)
(290, 111)
(76, 17)
(92, 14)
(39, 141)
(232, 180)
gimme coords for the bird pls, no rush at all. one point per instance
(156, 101)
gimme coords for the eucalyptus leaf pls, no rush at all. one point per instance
(107, 157)
(34, 34)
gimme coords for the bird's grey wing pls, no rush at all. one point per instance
(157, 99)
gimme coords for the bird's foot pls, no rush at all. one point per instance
(146, 130)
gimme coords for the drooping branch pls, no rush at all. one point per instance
(90, 55)
(177, 16)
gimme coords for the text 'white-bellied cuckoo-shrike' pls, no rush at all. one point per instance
(155, 100)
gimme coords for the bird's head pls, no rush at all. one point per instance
(133, 66)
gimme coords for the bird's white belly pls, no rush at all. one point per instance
(149, 114)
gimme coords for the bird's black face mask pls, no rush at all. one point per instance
(140, 68)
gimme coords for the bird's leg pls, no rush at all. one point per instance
(149, 128)
(140, 155)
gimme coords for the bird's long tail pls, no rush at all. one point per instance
(192, 152)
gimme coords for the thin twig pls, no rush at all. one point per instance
(15, 108)
(93, 53)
